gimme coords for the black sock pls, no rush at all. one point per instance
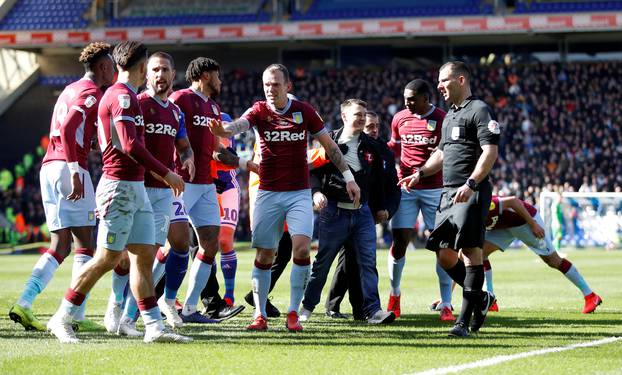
(471, 294)
(457, 273)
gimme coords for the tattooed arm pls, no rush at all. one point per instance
(335, 156)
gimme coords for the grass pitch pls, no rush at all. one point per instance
(539, 309)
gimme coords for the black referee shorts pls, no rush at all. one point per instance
(460, 225)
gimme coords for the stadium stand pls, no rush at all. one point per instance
(188, 12)
(46, 15)
(567, 6)
(348, 9)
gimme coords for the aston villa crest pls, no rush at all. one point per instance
(297, 117)
(431, 125)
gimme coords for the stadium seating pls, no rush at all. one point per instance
(567, 6)
(189, 12)
(46, 15)
(348, 9)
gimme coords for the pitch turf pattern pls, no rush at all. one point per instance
(539, 309)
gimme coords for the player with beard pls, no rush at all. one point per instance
(200, 201)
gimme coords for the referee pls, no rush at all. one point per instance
(466, 153)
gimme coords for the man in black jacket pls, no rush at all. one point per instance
(346, 276)
(341, 221)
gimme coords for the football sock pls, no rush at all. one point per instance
(298, 280)
(120, 280)
(572, 273)
(199, 273)
(444, 283)
(176, 267)
(395, 266)
(471, 294)
(159, 265)
(229, 266)
(149, 310)
(457, 273)
(42, 273)
(130, 311)
(71, 303)
(488, 273)
(260, 281)
(81, 257)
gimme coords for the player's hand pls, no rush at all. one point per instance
(217, 127)
(382, 216)
(537, 230)
(173, 180)
(354, 192)
(77, 188)
(408, 182)
(252, 166)
(319, 200)
(463, 194)
(188, 165)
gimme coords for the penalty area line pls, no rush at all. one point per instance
(511, 357)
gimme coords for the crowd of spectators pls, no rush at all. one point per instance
(560, 122)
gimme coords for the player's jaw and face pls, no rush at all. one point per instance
(108, 71)
(353, 117)
(450, 85)
(372, 126)
(416, 104)
(160, 75)
(213, 83)
(275, 88)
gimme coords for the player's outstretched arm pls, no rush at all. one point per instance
(517, 206)
(229, 129)
(336, 157)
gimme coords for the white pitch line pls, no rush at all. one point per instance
(506, 358)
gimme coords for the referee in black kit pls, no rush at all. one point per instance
(466, 153)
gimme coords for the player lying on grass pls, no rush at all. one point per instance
(509, 219)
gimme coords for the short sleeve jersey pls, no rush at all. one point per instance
(417, 137)
(283, 143)
(466, 129)
(498, 218)
(199, 111)
(119, 103)
(163, 126)
(82, 96)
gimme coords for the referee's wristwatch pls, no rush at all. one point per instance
(471, 184)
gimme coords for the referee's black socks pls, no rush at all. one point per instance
(471, 294)
(457, 273)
